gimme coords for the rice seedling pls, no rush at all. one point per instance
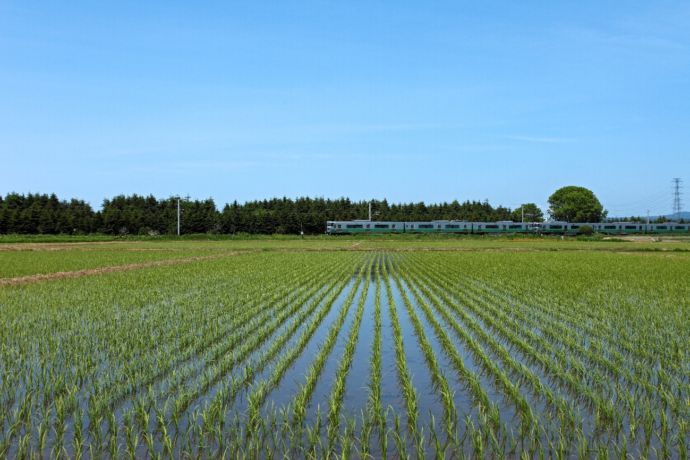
(528, 354)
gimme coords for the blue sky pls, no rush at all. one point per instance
(432, 101)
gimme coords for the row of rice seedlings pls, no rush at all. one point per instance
(239, 350)
(669, 387)
(559, 334)
(405, 381)
(462, 300)
(572, 319)
(236, 348)
(479, 394)
(301, 399)
(497, 321)
(135, 362)
(596, 352)
(87, 384)
(450, 414)
(180, 405)
(637, 416)
(191, 344)
(272, 436)
(228, 390)
(511, 388)
(375, 410)
(591, 381)
(254, 368)
(338, 388)
(186, 396)
(595, 322)
(65, 421)
(260, 391)
(521, 373)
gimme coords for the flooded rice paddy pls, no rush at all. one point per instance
(353, 354)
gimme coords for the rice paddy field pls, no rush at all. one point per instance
(352, 348)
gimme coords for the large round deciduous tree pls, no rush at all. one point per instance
(575, 204)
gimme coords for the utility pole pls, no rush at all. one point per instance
(178, 217)
(370, 211)
(677, 203)
(522, 211)
(647, 216)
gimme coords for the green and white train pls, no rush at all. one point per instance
(337, 227)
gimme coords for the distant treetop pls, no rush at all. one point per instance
(575, 204)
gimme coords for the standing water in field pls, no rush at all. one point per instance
(487, 354)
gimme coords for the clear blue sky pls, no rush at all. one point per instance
(432, 101)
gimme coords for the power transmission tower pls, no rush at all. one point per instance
(677, 202)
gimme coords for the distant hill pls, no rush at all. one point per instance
(670, 217)
(682, 215)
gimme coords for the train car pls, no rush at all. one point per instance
(336, 227)
(439, 226)
(619, 228)
(456, 226)
(509, 226)
(560, 228)
(423, 227)
(487, 227)
(668, 227)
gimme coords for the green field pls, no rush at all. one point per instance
(353, 347)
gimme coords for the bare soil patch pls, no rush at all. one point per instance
(29, 279)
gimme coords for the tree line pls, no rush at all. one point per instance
(140, 215)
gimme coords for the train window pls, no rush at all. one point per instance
(491, 226)
(340, 226)
(452, 226)
(631, 227)
(556, 227)
(516, 226)
(380, 226)
(680, 227)
(393, 226)
(425, 226)
(661, 227)
(354, 226)
(609, 227)
(574, 227)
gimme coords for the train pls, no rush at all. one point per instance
(338, 227)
